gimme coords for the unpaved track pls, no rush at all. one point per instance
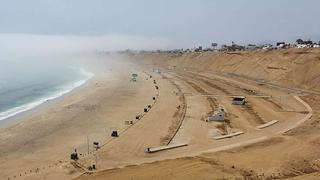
(195, 130)
(212, 102)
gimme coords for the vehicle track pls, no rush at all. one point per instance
(212, 102)
(250, 110)
(179, 115)
(244, 90)
(207, 82)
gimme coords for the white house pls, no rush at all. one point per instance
(281, 44)
(300, 46)
(316, 46)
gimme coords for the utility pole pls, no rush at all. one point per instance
(96, 159)
(88, 143)
(225, 126)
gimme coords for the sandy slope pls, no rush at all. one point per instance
(97, 109)
(293, 154)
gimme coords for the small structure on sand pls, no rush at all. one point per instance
(157, 71)
(129, 122)
(74, 155)
(218, 115)
(114, 134)
(134, 77)
(238, 100)
(96, 145)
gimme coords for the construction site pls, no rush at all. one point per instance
(197, 115)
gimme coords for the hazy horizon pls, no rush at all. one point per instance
(142, 24)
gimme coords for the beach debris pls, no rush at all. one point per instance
(149, 106)
(154, 98)
(154, 82)
(157, 87)
(145, 109)
(114, 134)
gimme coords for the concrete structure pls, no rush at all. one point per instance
(162, 148)
(239, 100)
(218, 115)
(267, 124)
(228, 135)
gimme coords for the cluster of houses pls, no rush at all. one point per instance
(233, 47)
(298, 44)
(279, 45)
(236, 47)
(307, 44)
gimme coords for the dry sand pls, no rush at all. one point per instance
(39, 147)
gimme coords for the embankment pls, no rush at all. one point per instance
(297, 68)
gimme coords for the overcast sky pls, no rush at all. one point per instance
(186, 21)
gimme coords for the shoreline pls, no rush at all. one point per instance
(44, 102)
(55, 128)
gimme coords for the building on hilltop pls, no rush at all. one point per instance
(304, 44)
(281, 45)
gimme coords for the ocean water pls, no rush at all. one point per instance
(27, 84)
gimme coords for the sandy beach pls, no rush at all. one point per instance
(52, 131)
(39, 145)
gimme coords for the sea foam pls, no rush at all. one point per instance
(64, 90)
